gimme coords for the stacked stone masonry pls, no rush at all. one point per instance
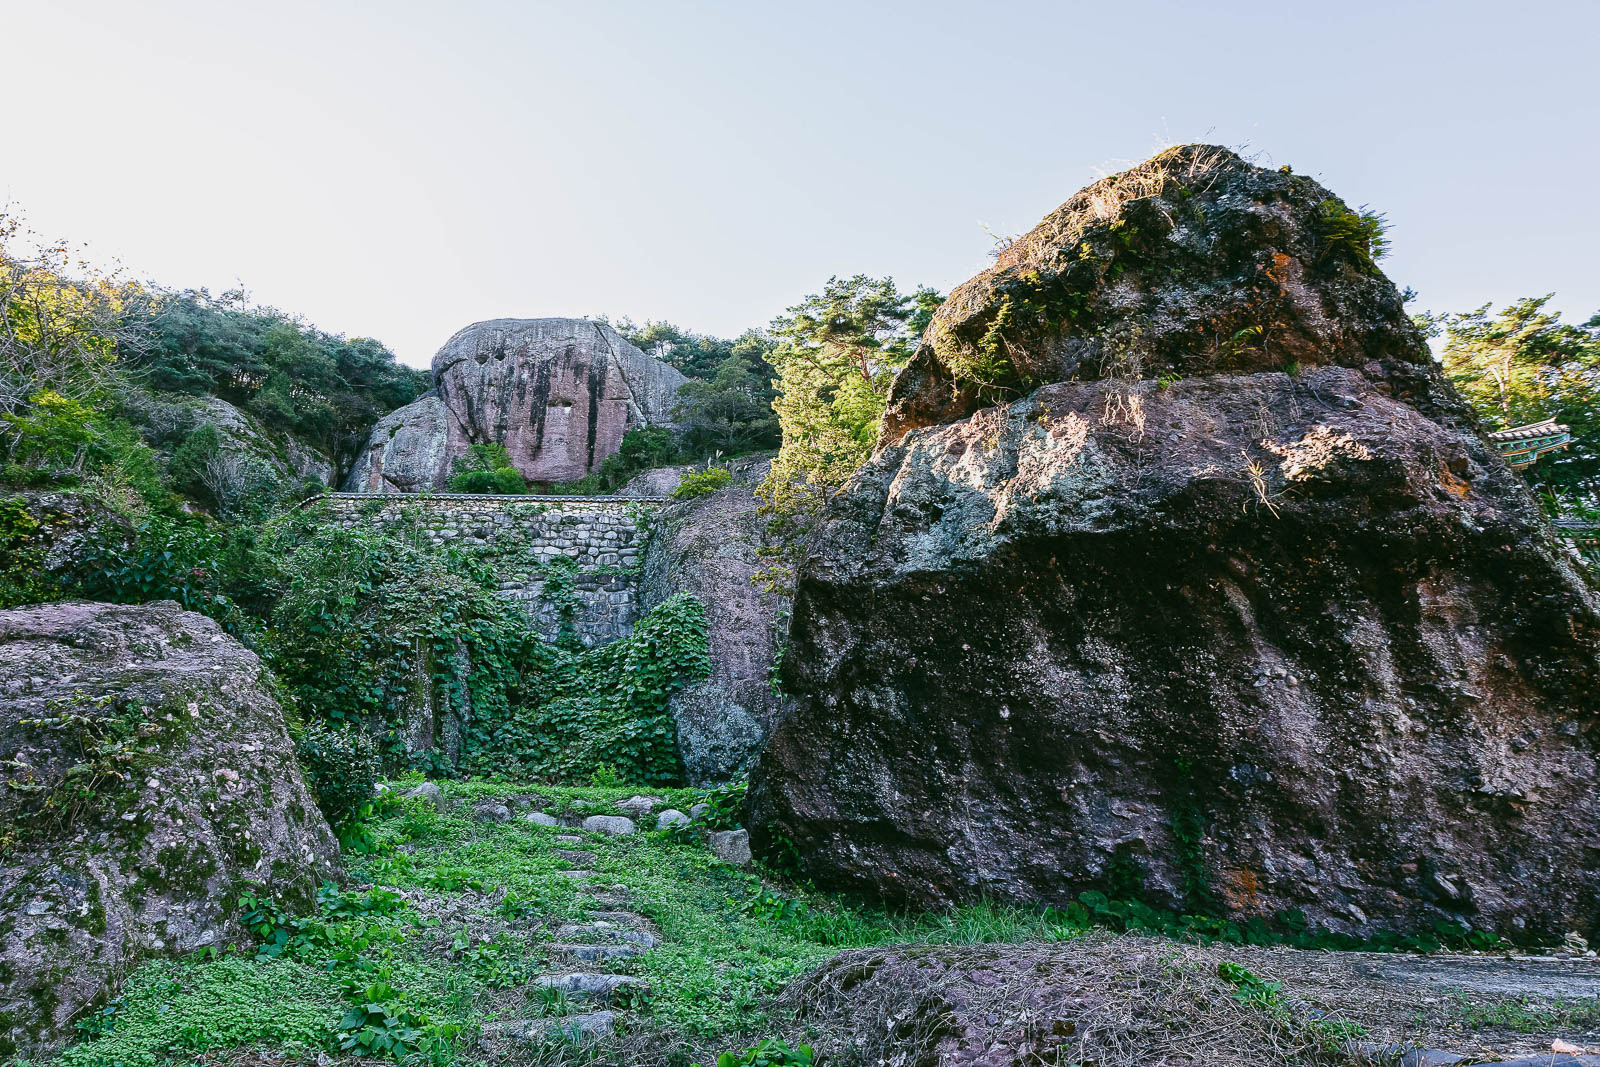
(522, 536)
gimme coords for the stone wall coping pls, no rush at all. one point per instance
(510, 498)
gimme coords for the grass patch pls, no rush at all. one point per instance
(1530, 1016)
(475, 908)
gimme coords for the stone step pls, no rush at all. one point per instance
(597, 953)
(615, 896)
(620, 918)
(567, 839)
(578, 1028)
(608, 932)
(575, 857)
(585, 984)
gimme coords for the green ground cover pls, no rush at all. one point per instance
(449, 920)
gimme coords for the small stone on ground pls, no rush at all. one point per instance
(612, 825)
(731, 846)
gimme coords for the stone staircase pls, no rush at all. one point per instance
(582, 951)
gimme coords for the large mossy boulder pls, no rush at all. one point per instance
(148, 782)
(1208, 593)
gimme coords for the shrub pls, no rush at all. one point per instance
(167, 559)
(486, 468)
(770, 1053)
(53, 431)
(344, 766)
(701, 483)
(1357, 236)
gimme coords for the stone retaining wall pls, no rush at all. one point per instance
(524, 537)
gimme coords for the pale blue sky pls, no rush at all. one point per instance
(400, 169)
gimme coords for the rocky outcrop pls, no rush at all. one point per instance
(407, 451)
(149, 781)
(1229, 621)
(710, 547)
(557, 393)
(250, 451)
(242, 435)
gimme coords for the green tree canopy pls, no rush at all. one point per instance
(837, 352)
(732, 412)
(324, 388)
(1522, 365)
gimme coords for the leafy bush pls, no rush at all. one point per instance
(486, 468)
(166, 559)
(770, 1053)
(53, 431)
(380, 1024)
(606, 705)
(370, 621)
(344, 767)
(701, 483)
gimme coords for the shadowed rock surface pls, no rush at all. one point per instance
(557, 393)
(710, 547)
(150, 781)
(1243, 628)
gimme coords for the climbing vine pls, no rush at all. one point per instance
(372, 624)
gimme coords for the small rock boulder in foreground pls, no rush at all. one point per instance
(1180, 573)
(152, 782)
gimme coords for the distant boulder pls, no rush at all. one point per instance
(406, 452)
(558, 393)
(149, 782)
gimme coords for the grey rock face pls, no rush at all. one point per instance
(656, 482)
(590, 985)
(1241, 641)
(708, 547)
(586, 1026)
(151, 865)
(406, 451)
(557, 393)
(598, 953)
(731, 846)
(247, 443)
(612, 825)
(430, 792)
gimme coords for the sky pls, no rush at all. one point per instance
(399, 170)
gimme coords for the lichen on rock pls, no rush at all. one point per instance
(1193, 262)
(149, 780)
